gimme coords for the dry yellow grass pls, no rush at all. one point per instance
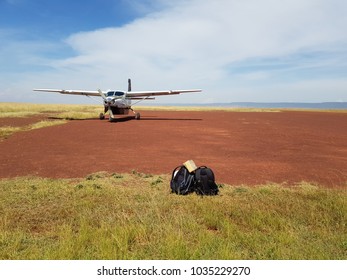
(27, 109)
(6, 131)
(92, 111)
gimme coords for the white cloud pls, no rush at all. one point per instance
(196, 43)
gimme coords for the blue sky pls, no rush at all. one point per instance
(250, 50)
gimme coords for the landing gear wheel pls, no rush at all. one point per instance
(137, 115)
(101, 116)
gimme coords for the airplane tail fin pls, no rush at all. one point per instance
(129, 84)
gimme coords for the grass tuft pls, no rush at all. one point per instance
(43, 124)
(7, 131)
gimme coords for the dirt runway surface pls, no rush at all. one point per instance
(241, 147)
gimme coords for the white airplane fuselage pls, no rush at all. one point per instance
(117, 102)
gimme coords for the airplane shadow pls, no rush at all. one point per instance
(153, 118)
(128, 118)
(72, 119)
(168, 119)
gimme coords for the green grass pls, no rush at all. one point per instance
(134, 216)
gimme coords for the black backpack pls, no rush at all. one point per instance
(182, 182)
(200, 181)
(204, 181)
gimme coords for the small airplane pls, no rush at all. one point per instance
(119, 102)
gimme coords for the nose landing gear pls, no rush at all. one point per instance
(111, 118)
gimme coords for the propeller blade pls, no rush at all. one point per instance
(101, 94)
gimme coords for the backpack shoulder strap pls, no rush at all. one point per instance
(176, 169)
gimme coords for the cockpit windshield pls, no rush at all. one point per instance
(115, 93)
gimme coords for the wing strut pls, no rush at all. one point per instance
(142, 99)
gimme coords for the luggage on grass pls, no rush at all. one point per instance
(204, 181)
(182, 181)
(201, 181)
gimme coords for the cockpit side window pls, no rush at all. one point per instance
(119, 93)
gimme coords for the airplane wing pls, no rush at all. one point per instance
(76, 92)
(157, 93)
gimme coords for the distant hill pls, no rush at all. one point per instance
(282, 105)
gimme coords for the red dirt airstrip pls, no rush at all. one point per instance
(241, 147)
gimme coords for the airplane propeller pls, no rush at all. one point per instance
(102, 94)
(107, 103)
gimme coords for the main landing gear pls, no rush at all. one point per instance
(102, 117)
(137, 115)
